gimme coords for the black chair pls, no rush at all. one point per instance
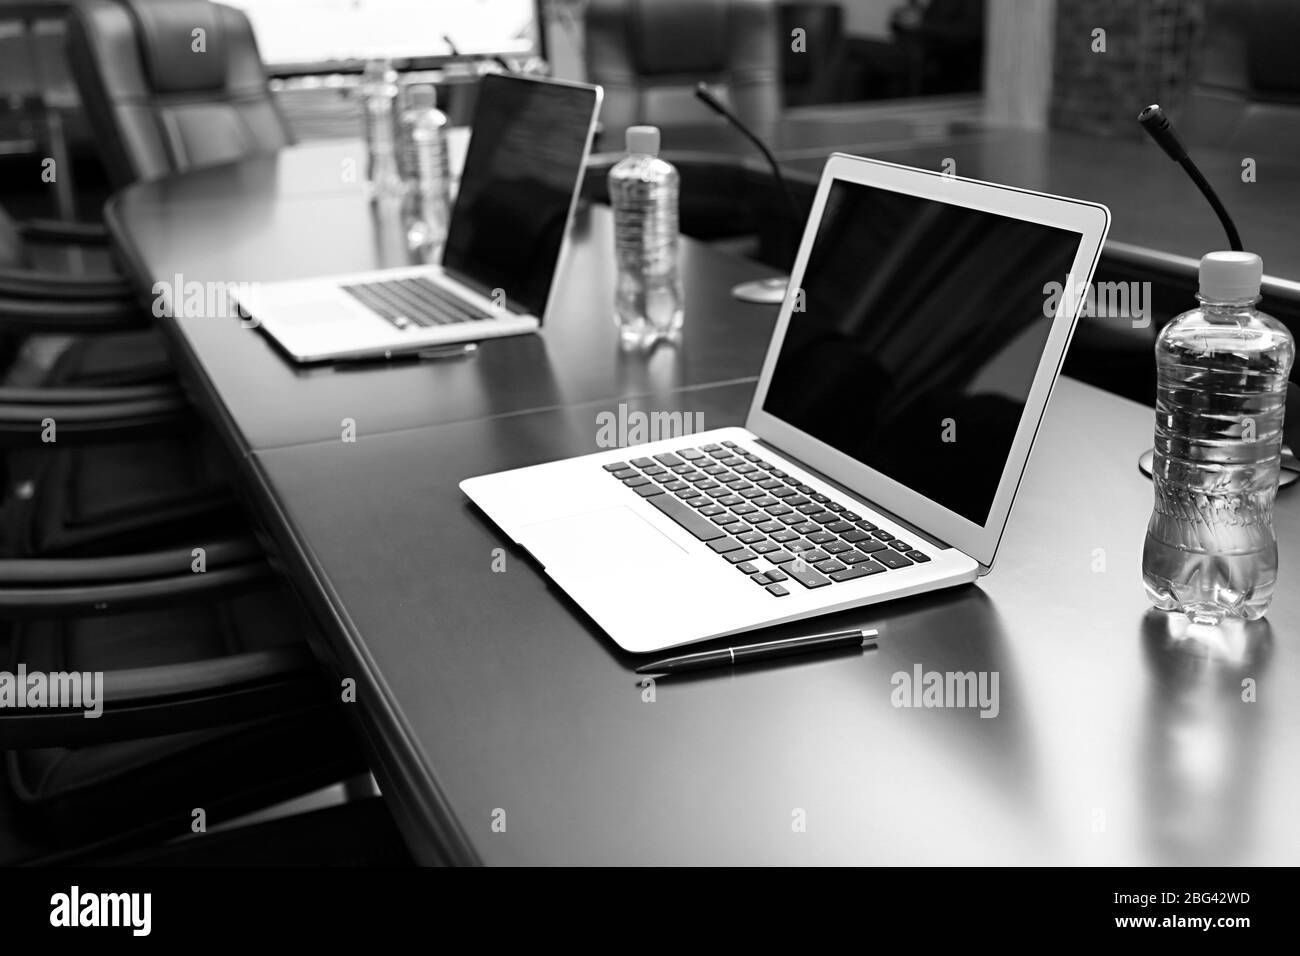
(156, 103)
(211, 700)
(649, 55)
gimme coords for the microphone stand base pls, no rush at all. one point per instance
(762, 291)
(1286, 477)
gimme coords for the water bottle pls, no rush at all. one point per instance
(379, 102)
(425, 168)
(1222, 373)
(643, 191)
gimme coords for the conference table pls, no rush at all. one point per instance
(504, 728)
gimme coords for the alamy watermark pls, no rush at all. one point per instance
(179, 298)
(922, 688)
(632, 427)
(60, 690)
(1100, 300)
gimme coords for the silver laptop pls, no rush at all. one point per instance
(910, 366)
(505, 240)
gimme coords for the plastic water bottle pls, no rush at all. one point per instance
(425, 168)
(643, 190)
(1222, 377)
(379, 90)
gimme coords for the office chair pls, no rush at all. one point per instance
(210, 700)
(158, 105)
(649, 54)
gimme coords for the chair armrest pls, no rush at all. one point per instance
(62, 287)
(37, 315)
(46, 588)
(59, 230)
(153, 701)
(78, 414)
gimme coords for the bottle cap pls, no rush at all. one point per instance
(1230, 276)
(422, 96)
(643, 140)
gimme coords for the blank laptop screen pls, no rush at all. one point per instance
(922, 330)
(526, 152)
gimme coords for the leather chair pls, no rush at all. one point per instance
(158, 104)
(649, 54)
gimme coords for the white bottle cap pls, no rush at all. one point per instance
(1230, 276)
(643, 140)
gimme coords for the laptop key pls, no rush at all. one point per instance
(815, 556)
(853, 557)
(806, 527)
(805, 575)
(723, 545)
(625, 474)
(750, 537)
(816, 536)
(731, 500)
(615, 466)
(919, 557)
(642, 462)
(713, 510)
(777, 590)
(857, 571)
(675, 485)
(891, 559)
(701, 528)
(688, 493)
(811, 508)
(668, 459)
(898, 544)
(796, 501)
(746, 568)
(882, 535)
(781, 492)
(761, 578)
(865, 525)
(725, 519)
(767, 547)
(648, 491)
(839, 527)
(826, 517)
(780, 557)
(636, 482)
(736, 557)
(872, 547)
(829, 566)
(690, 454)
(776, 574)
(836, 547)
(853, 537)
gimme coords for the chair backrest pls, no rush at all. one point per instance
(170, 85)
(649, 54)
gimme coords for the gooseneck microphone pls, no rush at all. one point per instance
(763, 290)
(1155, 122)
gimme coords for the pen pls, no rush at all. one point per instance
(747, 653)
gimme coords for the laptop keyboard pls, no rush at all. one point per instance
(744, 508)
(416, 302)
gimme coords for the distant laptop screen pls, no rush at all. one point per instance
(923, 327)
(526, 153)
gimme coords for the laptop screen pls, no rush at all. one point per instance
(526, 153)
(923, 325)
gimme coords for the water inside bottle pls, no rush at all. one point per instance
(1210, 549)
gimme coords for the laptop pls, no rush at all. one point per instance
(505, 239)
(911, 363)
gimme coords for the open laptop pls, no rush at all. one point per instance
(506, 238)
(908, 372)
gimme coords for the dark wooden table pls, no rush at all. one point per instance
(488, 696)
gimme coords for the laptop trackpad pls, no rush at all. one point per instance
(612, 541)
